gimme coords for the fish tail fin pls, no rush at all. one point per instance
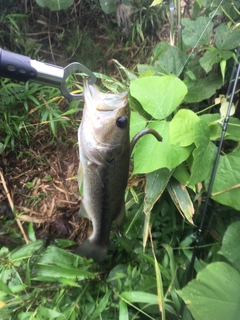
(92, 250)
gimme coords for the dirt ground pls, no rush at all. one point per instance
(40, 184)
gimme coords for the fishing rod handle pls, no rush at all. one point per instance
(19, 67)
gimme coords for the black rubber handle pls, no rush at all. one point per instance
(16, 66)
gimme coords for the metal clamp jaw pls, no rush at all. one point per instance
(22, 68)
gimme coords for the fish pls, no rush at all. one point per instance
(104, 152)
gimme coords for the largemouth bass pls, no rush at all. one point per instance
(104, 149)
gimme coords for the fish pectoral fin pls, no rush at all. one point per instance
(82, 211)
(120, 218)
(80, 178)
(94, 170)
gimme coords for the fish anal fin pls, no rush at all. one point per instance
(82, 211)
(80, 178)
(120, 218)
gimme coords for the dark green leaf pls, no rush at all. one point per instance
(155, 185)
(226, 187)
(101, 306)
(181, 198)
(196, 32)
(215, 294)
(212, 57)
(203, 89)
(204, 154)
(226, 38)
(170, 61)
(230, 244)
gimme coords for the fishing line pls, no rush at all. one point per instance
(231, 88)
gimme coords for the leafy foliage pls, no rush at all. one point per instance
(219, 282)
(174, 94)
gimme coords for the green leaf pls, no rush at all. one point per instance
(209, 59)
(233, 129)
(159, 96)
(168, 59)
(156, 2)
(212, 57)
(214, 294)
(26, 251)
(31, 233)
(48, 313)
(123, 311)
(181, 198)
(58, 257)
(196, 32)
(230, 245)
(223, 64)
(156, 183)
(101, 306)
(151, 154)
(226, 38)
(214, 122)
(137, 123)
(182, 127)
(55, 5)
(160, 291)
(54, 273)
(204, 154)
(203, 89)
(226, 187)
(182, 175)
(5, 288)
(140, 297)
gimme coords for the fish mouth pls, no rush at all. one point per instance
(103, 101)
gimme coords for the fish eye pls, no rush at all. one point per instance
(122, 122)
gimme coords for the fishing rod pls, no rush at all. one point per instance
(231, 88)
(22, 68)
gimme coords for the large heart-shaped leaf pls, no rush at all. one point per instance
(230, 245)
(159, 96)
(196, 32)
(214, 294)
(150, 154)
(226, 187)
